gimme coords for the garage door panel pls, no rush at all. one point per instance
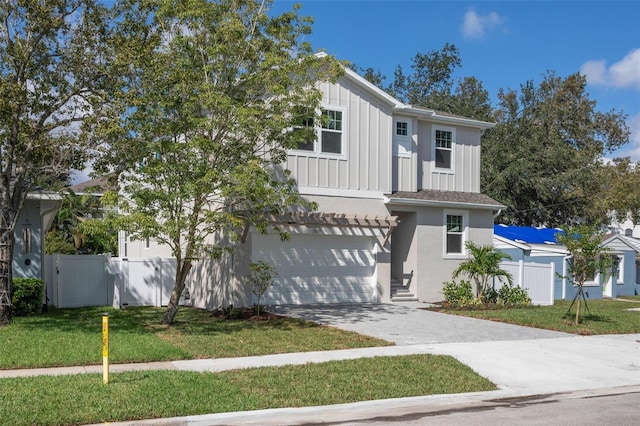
(318, 268)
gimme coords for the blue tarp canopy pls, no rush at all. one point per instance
(527, 234)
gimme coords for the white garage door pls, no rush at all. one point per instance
(318, 268)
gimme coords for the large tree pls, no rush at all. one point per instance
(215, 94)
(543, 157)
(431, 84)
(620, 189)
(51, 79)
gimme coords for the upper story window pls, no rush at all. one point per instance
(455, 233)
(401, 128)
(444, 141)
(330, 134)
(402, 143)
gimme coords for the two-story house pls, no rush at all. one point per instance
(398, 191)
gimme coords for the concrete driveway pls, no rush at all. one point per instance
(408, 324)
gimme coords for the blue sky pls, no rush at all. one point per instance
(502, 43)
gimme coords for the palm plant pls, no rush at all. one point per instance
(77, 227)
(483, 266)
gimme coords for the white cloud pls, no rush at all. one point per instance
(623, 74)
(634, 140)
(476, 26)
(632, 149)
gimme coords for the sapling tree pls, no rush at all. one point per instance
(261, 278)
(588, 257)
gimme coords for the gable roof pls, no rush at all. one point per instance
(402, 108)
(528, 234)
(95, 186)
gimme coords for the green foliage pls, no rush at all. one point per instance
(620, 194)
(588, 257)
(261, 278)
(198, 142)
(431, 85)
(27, 295)
(52, 87)
(513, 295)
(490, 295)
(458, 294)
(79, 227)
(543, 158)
(232, 313)
(483, 266)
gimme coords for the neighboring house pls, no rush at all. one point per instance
(34, 220)
(624, 225)
(539, 245)
(398, 190)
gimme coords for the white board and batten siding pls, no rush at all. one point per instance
(537, 278)
(319, 268)
(465, 173)
(365, 162)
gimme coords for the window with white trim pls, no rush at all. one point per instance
(443, 142)
(402, 143)
(455, 233)
(329, 135)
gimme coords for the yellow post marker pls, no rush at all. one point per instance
(105, 348)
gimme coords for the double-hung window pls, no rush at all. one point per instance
(444, 142)
(455, 233)
(329, 134)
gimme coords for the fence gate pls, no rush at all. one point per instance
(537, 278)
(97, 280)
(73, 281)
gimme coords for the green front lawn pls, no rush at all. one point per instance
(81, 399)
(65, 337)
(603, 317)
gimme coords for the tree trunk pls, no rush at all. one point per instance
(172, 308)
(7, 240)
(578, 310)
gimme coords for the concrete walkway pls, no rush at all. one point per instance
(521, 361)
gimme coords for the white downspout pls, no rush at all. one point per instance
(564, 276)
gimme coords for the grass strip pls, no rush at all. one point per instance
(603, 317)
(81, 399)
(65, 337)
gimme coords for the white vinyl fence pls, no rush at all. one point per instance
(537, 278)
(96, 280)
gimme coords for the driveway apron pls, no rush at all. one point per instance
(410, 324)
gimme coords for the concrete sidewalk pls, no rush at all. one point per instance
(520, 368)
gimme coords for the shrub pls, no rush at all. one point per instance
(27, 296)
(490, 295)
(232, 313)
(458, 294)
(510, 295)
